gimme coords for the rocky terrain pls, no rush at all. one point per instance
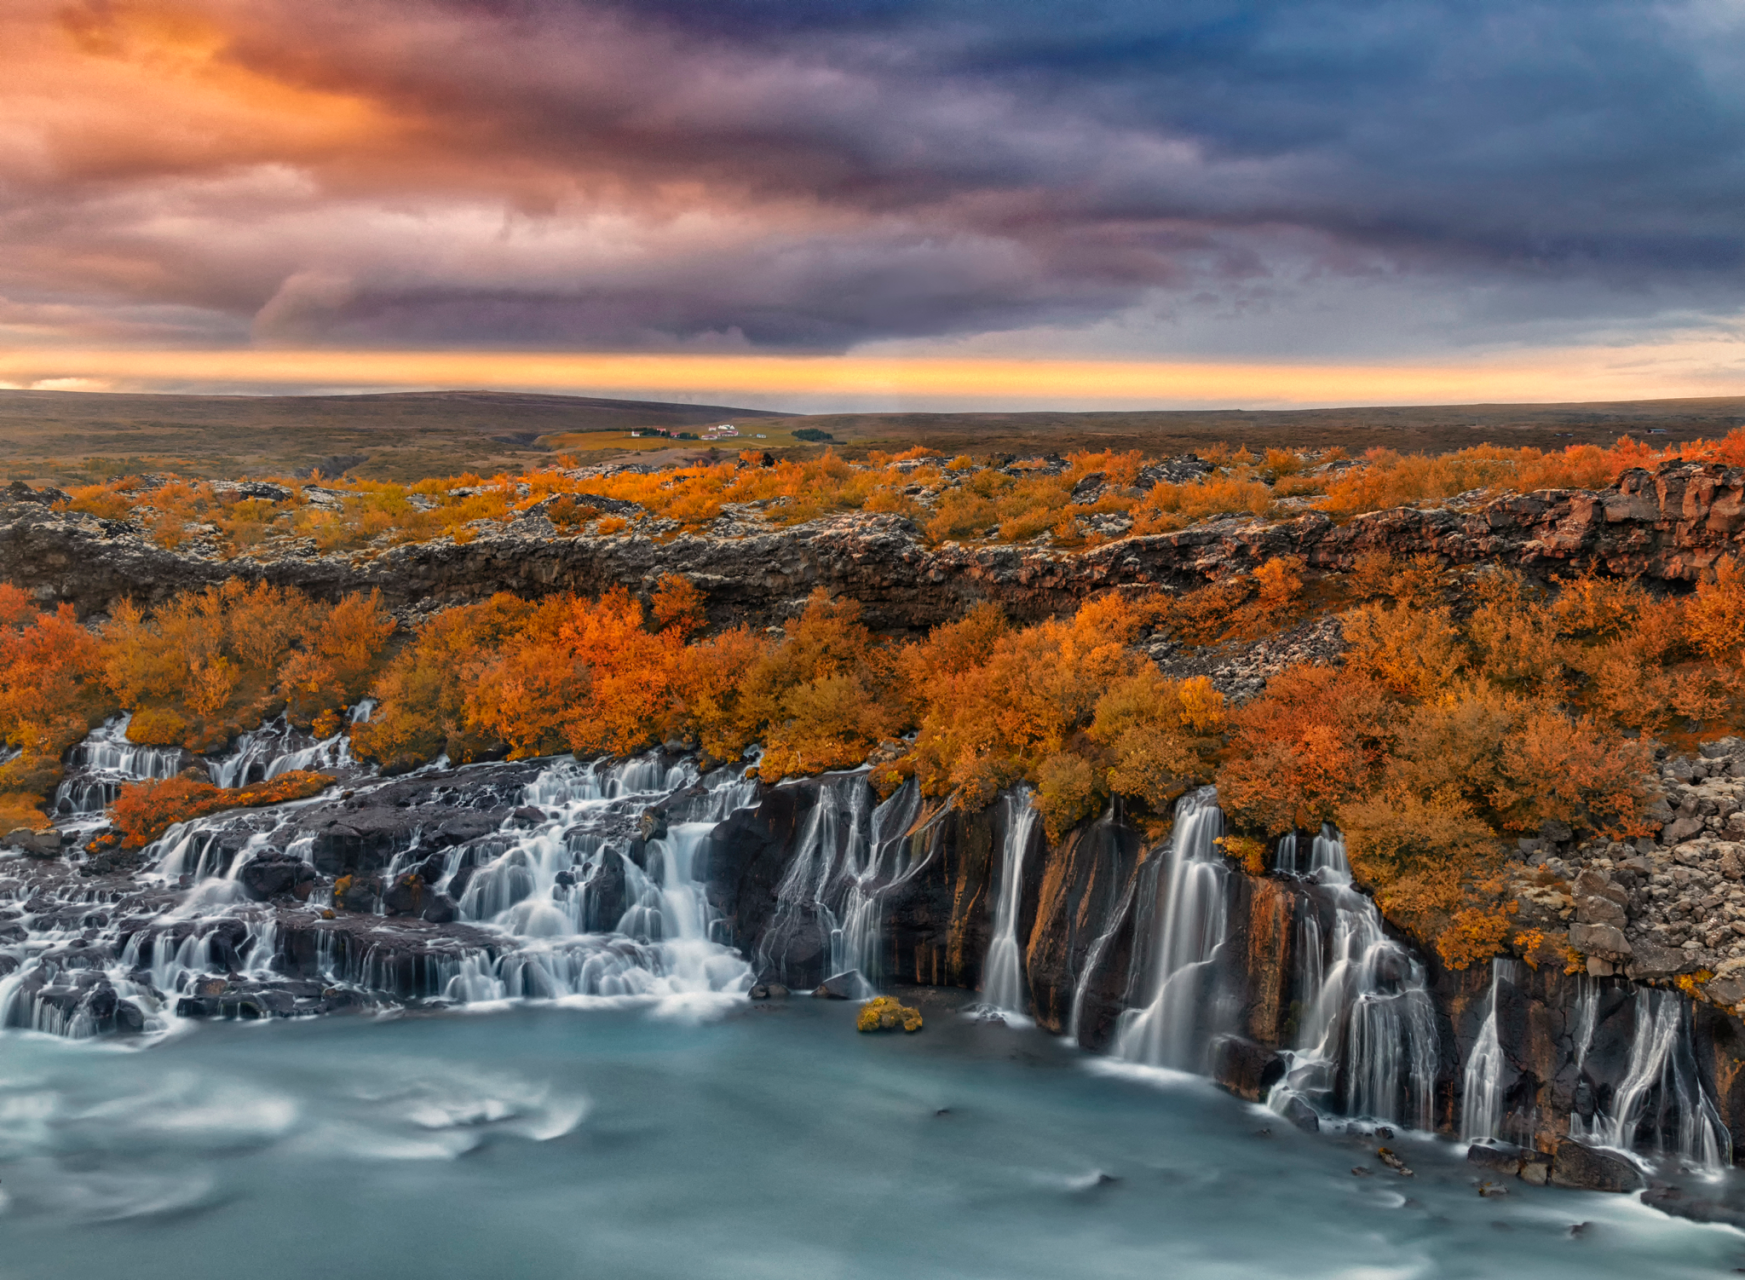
(1668, 525)
(649, 878)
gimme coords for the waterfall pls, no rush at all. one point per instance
(1324, 853)
(1174, 1022)
(1093, 961)
(1003, 976)
(575, 906)
(1663, 1090)
(1587, 1016)
(859, 944)
(1366, 1043)
(1481, 1094)
(849, 856)
(276, 747)
(104, 762)
(539, 893)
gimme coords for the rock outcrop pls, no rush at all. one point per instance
(1671, 525)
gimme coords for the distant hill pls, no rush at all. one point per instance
(400, 435)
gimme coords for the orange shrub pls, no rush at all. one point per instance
(1313, 741)
(145, 810)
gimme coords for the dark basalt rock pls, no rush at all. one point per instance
(1301, 1114)
(358, 893)
(743, 861)
(1079, 920)
(1672, 524)
(407, 895)
(273, 874)
(841, 986)
(1247, 1069)
(606, 899)
(1499, 1158)
(1579, 1166)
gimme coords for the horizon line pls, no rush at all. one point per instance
(1604, 374)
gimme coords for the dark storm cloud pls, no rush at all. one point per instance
(791, 175)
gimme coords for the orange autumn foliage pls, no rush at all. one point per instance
(1317, 738)
(144, 811)
(49, 699)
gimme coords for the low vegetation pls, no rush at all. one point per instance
(956, 499)
(885, 1013)
(1471, 707)
(144, 812)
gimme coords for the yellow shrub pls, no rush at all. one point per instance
(883, 1013)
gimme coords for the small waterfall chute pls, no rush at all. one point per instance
(1366, 1044)
(1176, 1015)
(1481, 1092)
(1003, 973)
(1662, 1092)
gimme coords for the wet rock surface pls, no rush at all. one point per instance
(543, 879)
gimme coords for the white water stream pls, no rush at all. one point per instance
(1176, 1014)
(1366, 1042)
(1003, 973)
(1481, 1094)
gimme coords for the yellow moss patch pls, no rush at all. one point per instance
(883, 1013)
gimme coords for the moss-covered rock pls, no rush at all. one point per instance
(883, 1013)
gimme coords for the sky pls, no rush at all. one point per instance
(878, 203)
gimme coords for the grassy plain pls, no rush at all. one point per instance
(81, 437)
(1409, 429)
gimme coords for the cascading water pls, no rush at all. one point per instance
(1177, 1015)
(276, 748)
(1366, 1043)
(1481, 1094)
(1662, 1092)
(546, 890)
(572, 905)
(848, 857)
(1003, 974)
(104, 762)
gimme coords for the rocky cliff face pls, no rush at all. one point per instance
(1670, 525)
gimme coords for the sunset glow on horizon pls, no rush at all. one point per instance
(807, 383)
(879, 206)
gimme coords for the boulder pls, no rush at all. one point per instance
(1650, 961)
(35, 844)
(1245, 1068)
(1605, 940)
(1535, 1168)
(271, 874)
(1598, 910)
(1726, 991)
(1301, 1114)
(357, 893)
(441, 910)
(406, 896)
(1498, 1158)
(1682, 829)
(1586, 1168)
(841, 986)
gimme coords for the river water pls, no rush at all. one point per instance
(766, 1141)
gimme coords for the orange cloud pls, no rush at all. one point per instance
(110, 90)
